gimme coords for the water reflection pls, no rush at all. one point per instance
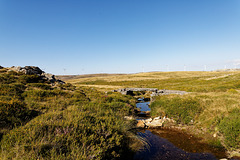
(158, 148)
(143, 106)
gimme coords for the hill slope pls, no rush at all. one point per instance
(42, 120)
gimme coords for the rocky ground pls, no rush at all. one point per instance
(33, 70)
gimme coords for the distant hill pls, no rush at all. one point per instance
(69, 77)
(228, 70)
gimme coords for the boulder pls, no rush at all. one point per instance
(49, 77)
(30, 70)
(155, 123)
(15, 68)
(141, 124)
(157, 118)
(148, 120)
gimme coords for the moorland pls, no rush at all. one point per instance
(45, 120)
(84, 119)
(210, 109)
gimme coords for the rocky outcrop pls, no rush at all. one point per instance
(52, 78)
(167, 92)
(1, 67)
(32, 70)
(29, 70)
(154, 122)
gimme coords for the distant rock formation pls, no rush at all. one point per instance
(1, 67)
(155, 91)
(167, 92)
(29, 70)
(32, 70)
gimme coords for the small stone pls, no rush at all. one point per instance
(156, 123)
(148, 120)
(148, 124)
(141, 124)
(147, 112)
(128, 117)
(215, 135)
(156, 118)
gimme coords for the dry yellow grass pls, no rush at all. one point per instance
(157, 76)
(100, 87)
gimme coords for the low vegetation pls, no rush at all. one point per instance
(40, 120)
(212, 104)
(183, 110)
(77, 120)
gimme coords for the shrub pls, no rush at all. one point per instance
(230, 127)
(13, 90)
(43, 94)
(40, 86)
(67, 86)
(30, 79)
(232, 91)
(14, 112)
(7, 78)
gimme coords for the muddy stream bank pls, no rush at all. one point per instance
(173, 144)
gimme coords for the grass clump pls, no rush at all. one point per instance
(232, 91)
(230, 127)
(182, 109)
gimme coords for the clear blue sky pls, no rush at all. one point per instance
(120, 36)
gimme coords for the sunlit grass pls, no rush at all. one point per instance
(41, 121)
(216, 95)
(82, 121)
(188, 81)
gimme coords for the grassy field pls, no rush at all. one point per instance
(80, 120)
(187, 81)
(212, 105)
(40, 120)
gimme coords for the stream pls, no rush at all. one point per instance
(172, 144)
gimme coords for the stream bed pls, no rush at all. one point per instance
(173, 144)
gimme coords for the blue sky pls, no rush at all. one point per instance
(120, 36)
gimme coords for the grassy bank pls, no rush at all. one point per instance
(42, 121)
(211, 106)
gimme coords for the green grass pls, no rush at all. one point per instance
(40, 121)
(230, 127)
(211, 106)
(183, 110)
(197, 82)
(92, 130)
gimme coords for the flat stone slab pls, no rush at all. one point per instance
(155, 91)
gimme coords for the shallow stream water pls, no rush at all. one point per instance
(172, 144)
